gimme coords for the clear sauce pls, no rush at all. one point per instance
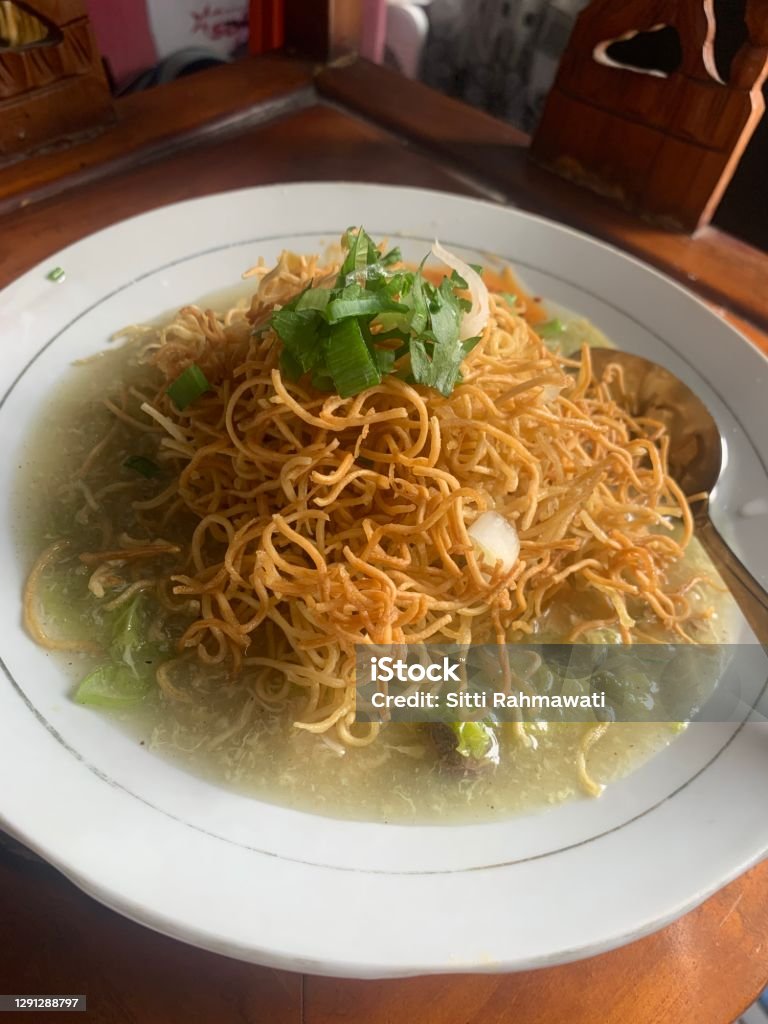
(223, 735)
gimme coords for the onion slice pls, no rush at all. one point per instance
(473, 322)
(496, 539)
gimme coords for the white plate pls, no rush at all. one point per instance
(316, 894)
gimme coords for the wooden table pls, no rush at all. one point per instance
(272, 120)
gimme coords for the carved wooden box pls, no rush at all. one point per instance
(663, 141)
(52, 83)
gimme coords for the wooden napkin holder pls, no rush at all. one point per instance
(52, 83)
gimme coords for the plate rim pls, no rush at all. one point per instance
(361, 969)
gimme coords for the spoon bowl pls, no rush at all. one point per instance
(652, 391)
(695, 461)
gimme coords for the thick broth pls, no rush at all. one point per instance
(223, 734)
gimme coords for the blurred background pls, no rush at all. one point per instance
(497, 55)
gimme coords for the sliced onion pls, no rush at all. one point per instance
(551, 392)
(473, 322)
(496, 539)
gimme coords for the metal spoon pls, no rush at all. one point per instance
(695, 462)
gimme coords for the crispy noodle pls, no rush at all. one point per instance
(325, 522)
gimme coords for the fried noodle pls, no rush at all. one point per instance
(324, 522)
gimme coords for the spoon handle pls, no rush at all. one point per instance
(750, 596)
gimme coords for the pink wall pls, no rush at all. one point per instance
(374, 29)
(122, 32)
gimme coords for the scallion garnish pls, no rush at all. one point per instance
(355, 301)
(146, 467)
(188, 386)
(375, 315)
(314, 298)
(550, 329)
(57, 274)
(349, 360)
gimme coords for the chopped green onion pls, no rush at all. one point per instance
(348, 335)
(365, 304)
(550, 329)
(57, 274)
(361, 253)
(393, 256)
(298, 330)
(349, 361)
(322, 381)
(393, 323)
(385, 359)
(290, 365)
(142, 465)
(314, 298)
(477, 267)
(296, 327)
(188, 386)
(476, 740)
(509, 298)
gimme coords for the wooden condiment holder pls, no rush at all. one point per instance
(52, 84)
(664, 144)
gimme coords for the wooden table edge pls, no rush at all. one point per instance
(151, 124)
